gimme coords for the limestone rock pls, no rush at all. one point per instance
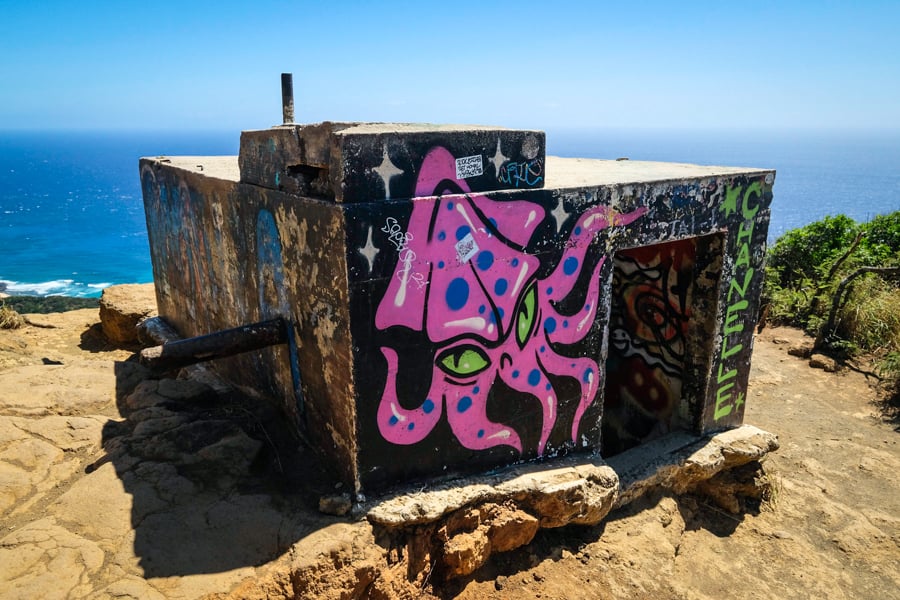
(186, 390)
(73, 389)
(130, 588)
(803, 350)
(68, 433)
(573, 492)
(465, 552)
(97, 506)
(338, 505)
(820, 361)
(688, 462)
(44, 560)
(122, 306)
(25, 461)
(510, 529)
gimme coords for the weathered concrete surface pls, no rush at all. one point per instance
(428, 272)
(573, 490)
(364, 162)
(229, 254)
(679, 463)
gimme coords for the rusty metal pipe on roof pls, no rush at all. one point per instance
(287, 97)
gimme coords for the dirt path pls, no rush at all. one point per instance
(172, 506)
(834, 531)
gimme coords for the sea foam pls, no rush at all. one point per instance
(57, 287)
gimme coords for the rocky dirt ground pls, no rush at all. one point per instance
(116, 484)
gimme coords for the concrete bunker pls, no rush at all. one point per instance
(449, 299)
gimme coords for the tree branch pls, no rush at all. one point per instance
(828, 331)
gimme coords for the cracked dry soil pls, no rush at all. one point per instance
(113, 484)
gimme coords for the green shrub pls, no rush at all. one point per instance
(890, 366)
(883, 235)
(799, 253)
(49, 304)
(871, 316)
(806, 265)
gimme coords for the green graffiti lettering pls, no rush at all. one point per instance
(723, 401)
(729, 352)
(742, 290)
(732, 315)
(730, 204)
(745, 233)
(743, 258)
(746, 211)
(730, 318)
(745, 201)
(726, 376)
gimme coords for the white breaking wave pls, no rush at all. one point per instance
(57, 287)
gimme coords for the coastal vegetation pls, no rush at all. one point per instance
(9, 318)
(839, 280)
(13, 307)
(47, 304)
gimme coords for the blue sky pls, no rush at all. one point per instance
(550, 64)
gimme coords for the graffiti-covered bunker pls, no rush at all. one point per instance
(456, 299)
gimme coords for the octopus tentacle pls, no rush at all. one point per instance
(529, 377)
(590, 223)
(467, 415)
(397, 424)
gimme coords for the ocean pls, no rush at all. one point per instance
(72, 218)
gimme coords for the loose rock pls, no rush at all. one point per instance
(122, 306)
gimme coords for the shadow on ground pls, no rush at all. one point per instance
(216, 480)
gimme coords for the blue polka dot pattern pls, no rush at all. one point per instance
(485, 260)
(457, 293)
(550, 325)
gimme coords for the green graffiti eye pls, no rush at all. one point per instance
(525, 315)
(463, 361)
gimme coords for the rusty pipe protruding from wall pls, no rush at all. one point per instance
(287, 97)
(181, 353)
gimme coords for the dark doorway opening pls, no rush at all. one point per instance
(660, 306)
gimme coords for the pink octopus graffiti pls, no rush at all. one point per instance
(464, 278)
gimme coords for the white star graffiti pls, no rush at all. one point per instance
(386, 170)
(559, 213)
(369, 251)
(498, 159)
